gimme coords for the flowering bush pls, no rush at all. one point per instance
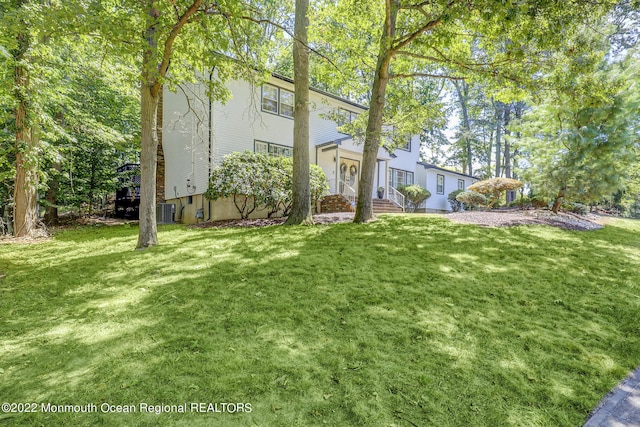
(256, 180)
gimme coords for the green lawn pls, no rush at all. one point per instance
(407, 321)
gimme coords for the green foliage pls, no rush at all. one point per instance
(579, 139)
(260, 181)
(414, 195)
(494, 188)
(472, 199)
(456, 205)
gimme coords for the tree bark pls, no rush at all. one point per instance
(558, 201)
(51, 211)
(364, 208)
(148, 234)
(499, 112)
(25, 213)
(462, 88)
(301, 205)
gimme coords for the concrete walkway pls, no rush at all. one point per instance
(621, 407)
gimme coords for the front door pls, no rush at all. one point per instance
(349, 173)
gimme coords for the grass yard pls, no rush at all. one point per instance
(408, 321)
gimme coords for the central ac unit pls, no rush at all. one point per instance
(164, 213)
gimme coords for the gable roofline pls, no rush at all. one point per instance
(322, 92)
(432, 166)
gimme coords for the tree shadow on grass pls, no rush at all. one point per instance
(414, 321)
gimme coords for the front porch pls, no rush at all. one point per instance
(341, 162)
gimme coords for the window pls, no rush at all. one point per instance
(461, 184)
(277, 101)
(286, 103)
(407, 146)
(348, 116)
(273, 149)
(270, 99)
(440, 184)
(398, 177)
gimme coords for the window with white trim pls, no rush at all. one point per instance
(277, 100)
(273, 149)
(461, 184)
(398, 177)
(440, 184)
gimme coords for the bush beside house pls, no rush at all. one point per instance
(260, 181)
(414, 196)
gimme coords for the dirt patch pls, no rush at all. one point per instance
(507, 218)
(328, 218)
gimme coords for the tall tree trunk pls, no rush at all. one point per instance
(148, 235)
(301, 207)
(51, 211)
(364, 208)
(25, 214)
(499, 112)
(507, 151)
(462, 89)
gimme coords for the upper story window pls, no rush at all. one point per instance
(277, 100)
(348, 116)
(461, 184)
(407, 146)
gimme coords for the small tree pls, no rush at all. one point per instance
(494, 188)
(414, 195)
(472, 199)
(456, 205)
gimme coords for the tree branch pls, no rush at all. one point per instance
(435, 76)
(168, 44)
(426, 27)
(286, 30)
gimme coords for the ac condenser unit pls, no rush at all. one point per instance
(164, 213)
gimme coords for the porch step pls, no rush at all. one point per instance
(339, 203)
(385, 206)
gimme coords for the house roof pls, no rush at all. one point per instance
(432, 166)
(322, 92)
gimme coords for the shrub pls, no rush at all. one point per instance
(579, 208)
(256, 180)
(472, 198)
(539, 202)
(456, 205)
(494, 188)
(414, 195)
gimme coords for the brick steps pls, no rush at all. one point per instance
(338, 203)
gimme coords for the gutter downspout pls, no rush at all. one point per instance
(210, 138)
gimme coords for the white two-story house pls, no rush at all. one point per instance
(196, 134)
